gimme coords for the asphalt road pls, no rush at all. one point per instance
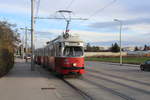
(107, 81)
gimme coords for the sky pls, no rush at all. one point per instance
(100, 28)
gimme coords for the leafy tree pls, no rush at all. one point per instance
(95, 49)
(136, 49)
(8, 43)
(88, 47)
(115, 48)
(145, 48)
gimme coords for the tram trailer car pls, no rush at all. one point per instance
(36, 53)
(64, 55)
(39, 56)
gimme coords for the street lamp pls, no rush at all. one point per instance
(120, 40)
(26, 36)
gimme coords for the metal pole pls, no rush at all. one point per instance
(26, 40)
(22, 48)
(67, 26)
(32, 35)
(25, 44)
(120, 44)
(120, 40)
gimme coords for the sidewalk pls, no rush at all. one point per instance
(23, 84)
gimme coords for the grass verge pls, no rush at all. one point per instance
(127, 60)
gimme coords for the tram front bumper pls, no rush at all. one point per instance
(73, 68)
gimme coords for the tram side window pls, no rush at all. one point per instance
(53, 51)
(50, 50)
(73, 51)
(49, 53)
(58, 50)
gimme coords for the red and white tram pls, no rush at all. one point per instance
(65, 55)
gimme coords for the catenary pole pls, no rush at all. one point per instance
(26, 43)
(120, 42)
(32, 34)
(26, 40)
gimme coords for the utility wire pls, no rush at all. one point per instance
(37, 7)
(69, 5)
(102, 9)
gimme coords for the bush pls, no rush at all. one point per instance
(6, 61)
(7, 47)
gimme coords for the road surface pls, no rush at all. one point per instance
(107, 81)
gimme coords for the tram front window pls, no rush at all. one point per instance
(73, 51)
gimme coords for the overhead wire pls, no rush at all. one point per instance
(101, 9)
(37, 7)
(70, 4)
(67, 7)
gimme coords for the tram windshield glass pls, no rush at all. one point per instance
(71, 51)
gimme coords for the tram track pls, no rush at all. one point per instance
(112, 91)
(121, 84)
(79, 91)
(105, 88)
(100, 86)
(118, 77)
(88, 96)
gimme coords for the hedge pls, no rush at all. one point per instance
(7, 47)
(6, 61)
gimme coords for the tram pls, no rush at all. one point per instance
(64, 55)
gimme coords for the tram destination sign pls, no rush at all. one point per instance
(72, 43)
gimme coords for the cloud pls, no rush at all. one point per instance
(14, 8)
(125, 22)
(135, 7)
(99, 28)
(97, 38)
(139, 25)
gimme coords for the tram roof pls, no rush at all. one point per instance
(71, 38)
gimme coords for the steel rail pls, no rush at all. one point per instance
(80, 92)
(124, 96)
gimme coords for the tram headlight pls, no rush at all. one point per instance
(74, 64)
